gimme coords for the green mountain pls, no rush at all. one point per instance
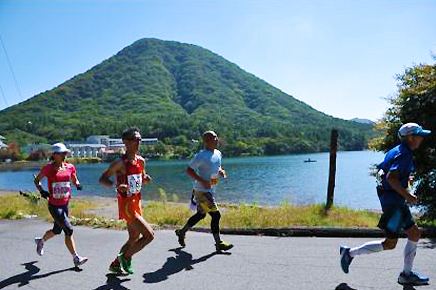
(175, 91)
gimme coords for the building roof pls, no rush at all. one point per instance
(86, 145)
(38, 146)
(98, 136)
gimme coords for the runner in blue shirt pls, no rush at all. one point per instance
(205, 168)
(393, 194)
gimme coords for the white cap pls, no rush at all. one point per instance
(59, 148)
(212, 133)
(412, 129)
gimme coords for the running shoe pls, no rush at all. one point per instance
(78, 261)
(345, 259)
(115, 267)
(126, 264)
(223, 246)
(412, 279)
(181, 236)
(39, 246)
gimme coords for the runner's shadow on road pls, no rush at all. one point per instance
(25, 278)
(113, 283)
(410, 287)
(173, 265)
(344, 286)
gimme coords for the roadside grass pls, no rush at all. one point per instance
(170, 214)
(287, 215)
(423, 222)
(16, 207)
(164, 213)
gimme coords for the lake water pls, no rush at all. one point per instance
(266, 180)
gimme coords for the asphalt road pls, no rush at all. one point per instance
(254, 263)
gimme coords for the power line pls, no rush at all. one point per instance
(10, 67)
(3, 95)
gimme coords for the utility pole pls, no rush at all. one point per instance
(332, 169)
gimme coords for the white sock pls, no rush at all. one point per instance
(409, 256)
(367, 248)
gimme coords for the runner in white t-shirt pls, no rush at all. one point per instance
(205, 168)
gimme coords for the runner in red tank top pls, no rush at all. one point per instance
(130, 175)
(129, 201)
(59, 174)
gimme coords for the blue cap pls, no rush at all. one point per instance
(412, 129)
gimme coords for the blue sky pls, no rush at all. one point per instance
(340, 57)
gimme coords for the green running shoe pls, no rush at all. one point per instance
(126, 264)
(223, 246)
(116, 268)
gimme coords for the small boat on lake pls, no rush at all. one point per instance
(309, 160)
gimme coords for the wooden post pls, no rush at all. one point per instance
(332, 170)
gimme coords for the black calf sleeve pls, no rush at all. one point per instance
(215, 223)
(193, 220)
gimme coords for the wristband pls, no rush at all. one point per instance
(45, 194)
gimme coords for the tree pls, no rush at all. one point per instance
(415, 102)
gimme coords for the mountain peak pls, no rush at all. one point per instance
(363, 121)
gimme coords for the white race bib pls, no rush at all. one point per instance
(135, 183)
(61, 190)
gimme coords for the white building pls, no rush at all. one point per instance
(98, 139)
(86, 150)
(115, 143)
(3, 145)
(149, 141)
(101, 145)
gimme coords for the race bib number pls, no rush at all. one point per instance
(61, 190)
(135, 183)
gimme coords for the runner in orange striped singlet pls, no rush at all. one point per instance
(130, 175)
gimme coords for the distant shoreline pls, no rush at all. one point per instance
(21, 165)
(29, 165)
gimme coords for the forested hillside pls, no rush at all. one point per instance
(175, 91)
